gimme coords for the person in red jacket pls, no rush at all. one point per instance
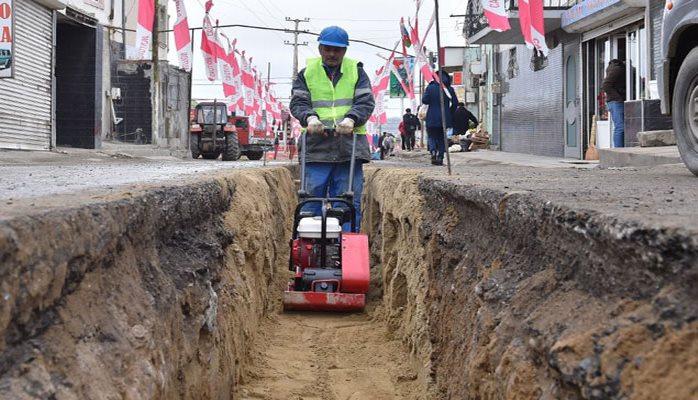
(403, 134)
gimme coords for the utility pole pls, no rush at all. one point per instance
(442, 86)
(295, 43)
(155, 123)
(266, 117)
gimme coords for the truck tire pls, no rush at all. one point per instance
(232, 147)
(685, 110)
(194, 145)
(255, 155)
(211, 156)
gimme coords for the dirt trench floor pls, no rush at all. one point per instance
(326, 356)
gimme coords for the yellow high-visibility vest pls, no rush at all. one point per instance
(332, 102)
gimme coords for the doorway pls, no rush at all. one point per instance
(573, 145)
(75, 75)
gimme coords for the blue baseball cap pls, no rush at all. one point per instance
(334, 36)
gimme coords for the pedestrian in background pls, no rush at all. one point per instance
(401, 129)
(461, 120)
(434, 120)
(614, 87)
(411, 124)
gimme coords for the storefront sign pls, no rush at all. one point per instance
(585, 9)
(6, 39)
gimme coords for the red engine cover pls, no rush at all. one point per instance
(355, 258)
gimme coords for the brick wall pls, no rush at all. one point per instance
(532, 105)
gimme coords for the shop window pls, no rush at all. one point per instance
(513, 67)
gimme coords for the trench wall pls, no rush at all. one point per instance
(152, 294)
(504, 295)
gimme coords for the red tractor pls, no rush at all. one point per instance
(214, 133)
(211, 134)
(252, 144)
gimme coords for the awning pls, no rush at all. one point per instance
(590, 14)
(486, 35)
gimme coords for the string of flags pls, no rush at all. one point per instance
(409, 38)
(245, 92)
(531, 20)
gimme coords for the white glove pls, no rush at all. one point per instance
(346, 127)
(315, 127)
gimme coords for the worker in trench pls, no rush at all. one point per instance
(333, 92)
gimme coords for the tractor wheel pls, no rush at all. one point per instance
(194, 145)
(232, 147)
(255, 155)
(210, 156)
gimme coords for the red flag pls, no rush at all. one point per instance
(229, 89)
(496, 15)
(538, 26)
(525, 21)
(182, 37)
(209, 47)
(144, 29)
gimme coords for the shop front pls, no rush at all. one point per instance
(26, 69)
(615, 30)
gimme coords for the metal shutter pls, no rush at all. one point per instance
(25, 100)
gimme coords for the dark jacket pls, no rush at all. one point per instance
(614, 83)
(460, 120)
(411, 122)
(336, 148)
(431, 98)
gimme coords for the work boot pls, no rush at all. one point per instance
(439, 162)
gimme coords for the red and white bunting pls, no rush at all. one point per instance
(144, 29)
(537, 26)
(226, 68)
(525, 22)
(496, 15)
(209, 48)
(247, 86)
(382, 80)
(182, 37)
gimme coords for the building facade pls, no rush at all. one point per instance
(26, 82)
(547, 105)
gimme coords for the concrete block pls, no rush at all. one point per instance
(657, 138)
(638, 156)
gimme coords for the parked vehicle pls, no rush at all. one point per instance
(678, 75)
(212, 135)
(253, 145)
(5, 58)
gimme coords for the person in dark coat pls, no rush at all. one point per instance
(434, 124)
(411, 124)
(614, 87)
(461, 119)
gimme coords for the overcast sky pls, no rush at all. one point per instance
(376, 21)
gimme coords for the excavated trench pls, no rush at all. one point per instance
(174, 292)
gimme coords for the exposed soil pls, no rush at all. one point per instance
(516, 295)
(481, 289)
(152, 295)
(318, 356)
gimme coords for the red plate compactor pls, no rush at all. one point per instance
(331, 270)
